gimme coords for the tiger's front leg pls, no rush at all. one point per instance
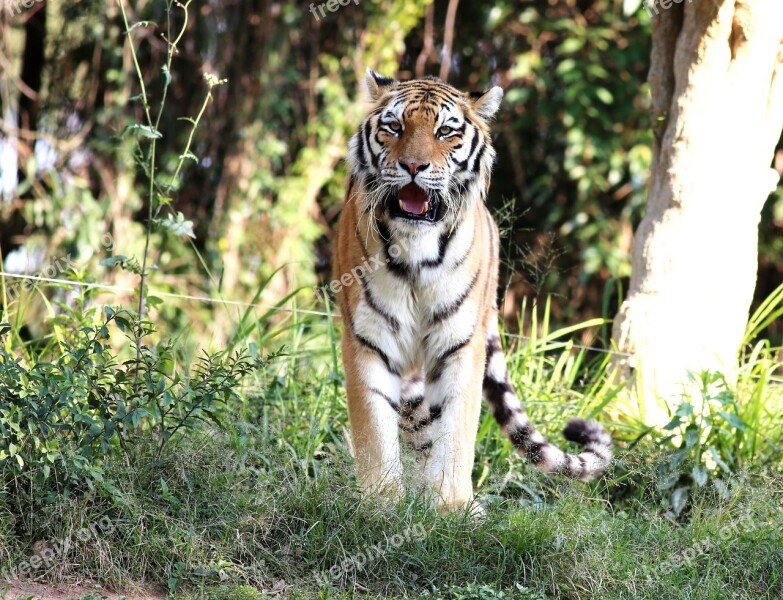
(453, 399)
(373, 401)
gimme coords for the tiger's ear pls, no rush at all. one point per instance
(487, 103)
(376, 84)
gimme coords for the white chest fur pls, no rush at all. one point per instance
(417, 272)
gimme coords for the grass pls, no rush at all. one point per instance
(268, 502)
(235, 505)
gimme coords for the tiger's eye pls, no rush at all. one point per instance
(395, 127)
(445, 130)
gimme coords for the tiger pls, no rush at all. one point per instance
(417, 262)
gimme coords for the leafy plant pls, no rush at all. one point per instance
(707, 433)
(60, 418)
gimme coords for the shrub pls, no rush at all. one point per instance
(61, 418)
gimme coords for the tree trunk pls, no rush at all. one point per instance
(716, 79)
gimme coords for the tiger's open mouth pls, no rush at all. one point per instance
(414, 203)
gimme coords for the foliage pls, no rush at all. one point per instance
(769, 310)
(709, 439)
(262, 180)
(271, 496)
(573, 138)
(241, 592)
(717, 433)
(62, 417)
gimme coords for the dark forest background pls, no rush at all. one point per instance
(265, 184)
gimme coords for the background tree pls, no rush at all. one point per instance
(716, 78)
(573, 140)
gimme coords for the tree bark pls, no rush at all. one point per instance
(716, 79)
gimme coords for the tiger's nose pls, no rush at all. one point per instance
(413, 166)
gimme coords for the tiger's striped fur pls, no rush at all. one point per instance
(419, 266)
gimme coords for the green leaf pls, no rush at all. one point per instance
(669, 481)
(673, 424)
(154, 301)
(166, 74)
(113, 260)
(145, 131)
(684, 410)
(679, 499)
(732, 420)
(571, 45)
(128, 264)
(676, 460)
(566, 66)
(699, 474)
(691, 437)
(177, 225)
(604, 95)
(718, 460)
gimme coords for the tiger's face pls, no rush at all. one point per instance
(423, 153)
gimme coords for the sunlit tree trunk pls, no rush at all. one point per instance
(716, 79)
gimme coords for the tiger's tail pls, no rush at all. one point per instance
(507, 410)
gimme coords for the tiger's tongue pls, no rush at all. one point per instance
(413, 199)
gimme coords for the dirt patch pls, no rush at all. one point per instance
(69, 592)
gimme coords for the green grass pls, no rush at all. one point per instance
(235, 505)
(268, 501)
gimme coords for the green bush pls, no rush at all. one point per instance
(61, 417)
(706, 440)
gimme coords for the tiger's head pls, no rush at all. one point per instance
(423, 154)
